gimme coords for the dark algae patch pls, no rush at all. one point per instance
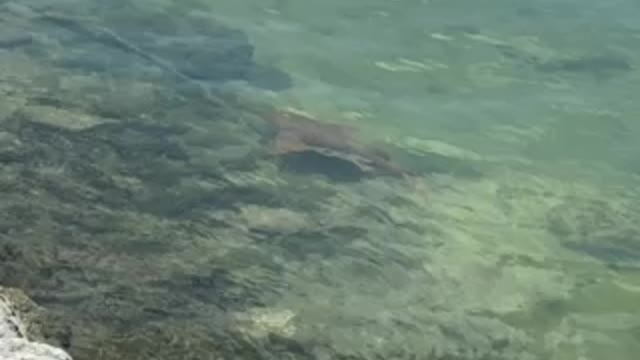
(598, 65)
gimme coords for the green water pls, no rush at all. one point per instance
(475, 198)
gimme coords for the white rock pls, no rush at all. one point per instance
(14, 343)
(22, 349)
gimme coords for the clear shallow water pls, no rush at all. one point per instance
(156, 222)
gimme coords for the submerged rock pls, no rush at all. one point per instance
(69, 119)
(264, 322)
(273, 220)
(307, 145)
(598, 228)
(15, 337)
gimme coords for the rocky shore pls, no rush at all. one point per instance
(19, 335)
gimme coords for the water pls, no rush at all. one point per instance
(216, 179)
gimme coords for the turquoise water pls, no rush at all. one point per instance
(214, 179)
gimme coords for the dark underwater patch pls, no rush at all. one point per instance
(612, 254)
(588, 64)
(313, 162)
(188, 47)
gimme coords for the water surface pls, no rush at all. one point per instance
(214, 179)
